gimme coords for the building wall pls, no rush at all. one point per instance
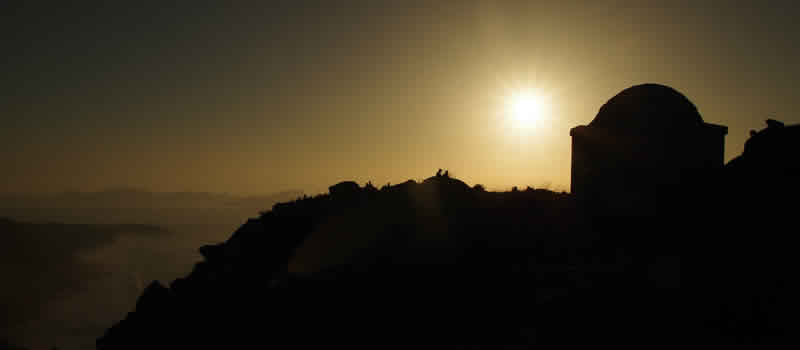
(629, 172)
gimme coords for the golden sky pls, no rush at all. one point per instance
(305, 94)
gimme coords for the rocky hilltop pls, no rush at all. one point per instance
(442, 264)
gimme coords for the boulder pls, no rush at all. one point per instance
(344, 189)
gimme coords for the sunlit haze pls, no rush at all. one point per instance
(527, 109)
(255, 100)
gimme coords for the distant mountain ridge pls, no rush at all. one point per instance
(136, 198)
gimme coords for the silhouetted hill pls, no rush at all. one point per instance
(438, 264)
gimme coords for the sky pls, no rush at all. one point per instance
(253, 99)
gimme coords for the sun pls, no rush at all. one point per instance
(525, 108)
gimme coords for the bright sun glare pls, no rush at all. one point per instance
(525, 108)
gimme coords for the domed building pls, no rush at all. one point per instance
(644, 143)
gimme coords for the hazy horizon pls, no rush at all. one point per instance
(142, 191)
(93, 253)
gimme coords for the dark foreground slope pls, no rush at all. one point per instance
(438, 264)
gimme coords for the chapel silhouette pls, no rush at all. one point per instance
(645, 144)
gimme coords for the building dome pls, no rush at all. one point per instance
(648, 107)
